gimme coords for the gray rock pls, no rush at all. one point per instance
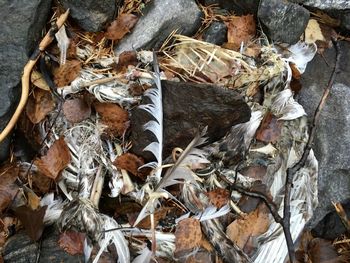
(91, 15)
(161, 17)
(332, 141)
(283, 21)
(216, 33)
(187, 107)
(325, 4)
(239, 7)
(21, 26)
(345, 20)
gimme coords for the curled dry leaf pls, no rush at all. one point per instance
(253, 224)
(129, 162)
(8, 187)
(72, 242)
(113, 117)
(56, 159)
(121, 26)
(67, 72)
(39, 105)
(188, 235)
(270, 129)
(219, 197)
(76, 110)
(240, 29)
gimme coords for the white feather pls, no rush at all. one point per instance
(300, 54)
(285, 107)
(144, 257)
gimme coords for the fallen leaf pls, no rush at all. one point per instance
(39, 105)
(8, 187)
(322, 251)
(121, 26)
(76, 110)
(32, 220)
(125, 59)
(248, 204)
(113, 117)
(67, 72)
(188, 235)
(253, 224)
(129, 162)
(313, 32)
(158, 215)
(240, 29)
(219, 197)
(7, 223)
(72, 242)
(270, 129)
(38, 81)
(33, 200)
(56, 159)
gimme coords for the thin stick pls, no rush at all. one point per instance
(27, 72)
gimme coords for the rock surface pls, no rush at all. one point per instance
(325, 4)
(332, 141)
(216, 33)
(21, 25)
(160, 18)
(239, 7)
(91, 15)
(188, 107)
(283, 21)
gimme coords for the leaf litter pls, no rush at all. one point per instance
(184, 212)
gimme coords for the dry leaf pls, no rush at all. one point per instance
(76, 110)
(72, 242)
(39, 105)
(129, 162)
(115, 118)
(253, 224)
(38, 81)
(67, 72)
(160, 214)
(219, 197)
(121, 26)
(32, 220)
(270, 129)
(8, 187)
(6, 223)
(56, 159)
(240, 29)
(188, 235)
(33, 200)
(248, 204)
(125, 59)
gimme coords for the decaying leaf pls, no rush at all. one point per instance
(121, 26)
(248, 204)
(188, 235)
(55, 160)
(240, 29)
(8, 187)
(113, 117)
(72, 242)
(38, 81)
(219, 197)
(253, 224)
(67, 72)
(32, 220)
(270, 129)
(125, 59)
(160, 214)
(76, 110)
(39, 105)
(129, 162)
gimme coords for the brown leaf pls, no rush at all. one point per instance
(32, 220)
(322, 251)
(240, 29)
(121, 26)
(72, 242)
(125, 59)
(270, 129)
(248, 204)
(158, 215)
(188, 235)
(39, 105)
(66, 73)
(37, 79)
(219, 197)
(253, 224)
(115, 118)
(8, 187)
(56, 159)
(33, 200)
(76, 110)
(129, 162)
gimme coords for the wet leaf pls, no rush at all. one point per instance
(219, 197)
(72, 242)
(76, 110)
(121, 26)
(270, 129)
(188, 235)
(253, 224)
(39, 105)
(240, 29)
(67, 72)
(113, 117)
(129, 162)
(8, 187)
(56, 159)
(32, 220)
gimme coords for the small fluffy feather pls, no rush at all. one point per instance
(285, 107)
